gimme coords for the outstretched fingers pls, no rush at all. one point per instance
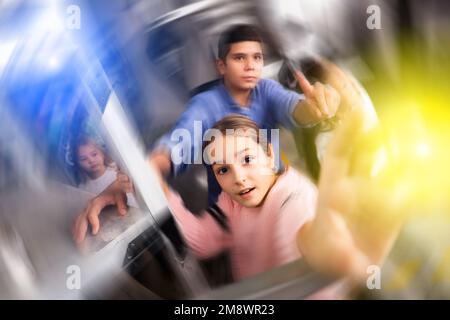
(337, 160)
(305, 85)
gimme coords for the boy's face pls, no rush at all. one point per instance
(243, 169)
(243, 65)
(91, 160)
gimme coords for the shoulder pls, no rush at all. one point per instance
(83, 185)
(211, 94)
(111, 171)
(203, 105)
(112, 166)
(293, 186)
(274, 91)
(225, 202)
(87, 186)
(197, 101)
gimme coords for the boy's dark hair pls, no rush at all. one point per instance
(237, 33)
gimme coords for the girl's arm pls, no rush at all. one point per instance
(358, 218)
(202, 233)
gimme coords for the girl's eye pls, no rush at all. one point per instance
(222, 170)
(248, 159)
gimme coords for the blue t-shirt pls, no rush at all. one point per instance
(271, 106)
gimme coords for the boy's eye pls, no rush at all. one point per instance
(239, 58)
(222, 170)
(258, 57)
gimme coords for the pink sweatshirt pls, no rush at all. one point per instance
(261, 238)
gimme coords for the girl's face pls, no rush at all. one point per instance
(92, 160)
(243, 169)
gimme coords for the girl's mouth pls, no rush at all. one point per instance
(246, 191)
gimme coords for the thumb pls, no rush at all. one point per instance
(95, 223)
(80, 228)
(305, 85)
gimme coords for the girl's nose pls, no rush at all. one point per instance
(239, 176)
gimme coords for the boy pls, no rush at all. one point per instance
(242, 91)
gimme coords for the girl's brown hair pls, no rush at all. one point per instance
(237, 122)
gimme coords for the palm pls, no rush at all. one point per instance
(357, 214)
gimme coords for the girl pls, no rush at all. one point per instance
(95, 169)
(272, 216)
(264, 208)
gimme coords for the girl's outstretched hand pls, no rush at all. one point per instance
(358, 214)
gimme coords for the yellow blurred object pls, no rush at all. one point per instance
(442, 274)
(403, 275)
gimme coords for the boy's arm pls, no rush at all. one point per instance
(160, 160)
(181, 137)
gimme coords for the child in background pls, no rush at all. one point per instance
(95, 169)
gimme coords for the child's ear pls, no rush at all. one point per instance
(220, 65)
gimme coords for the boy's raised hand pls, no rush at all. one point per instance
(346, 86)
(321, 101)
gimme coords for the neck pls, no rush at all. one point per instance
(97, 174)
(241, 96)
(274, 179)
